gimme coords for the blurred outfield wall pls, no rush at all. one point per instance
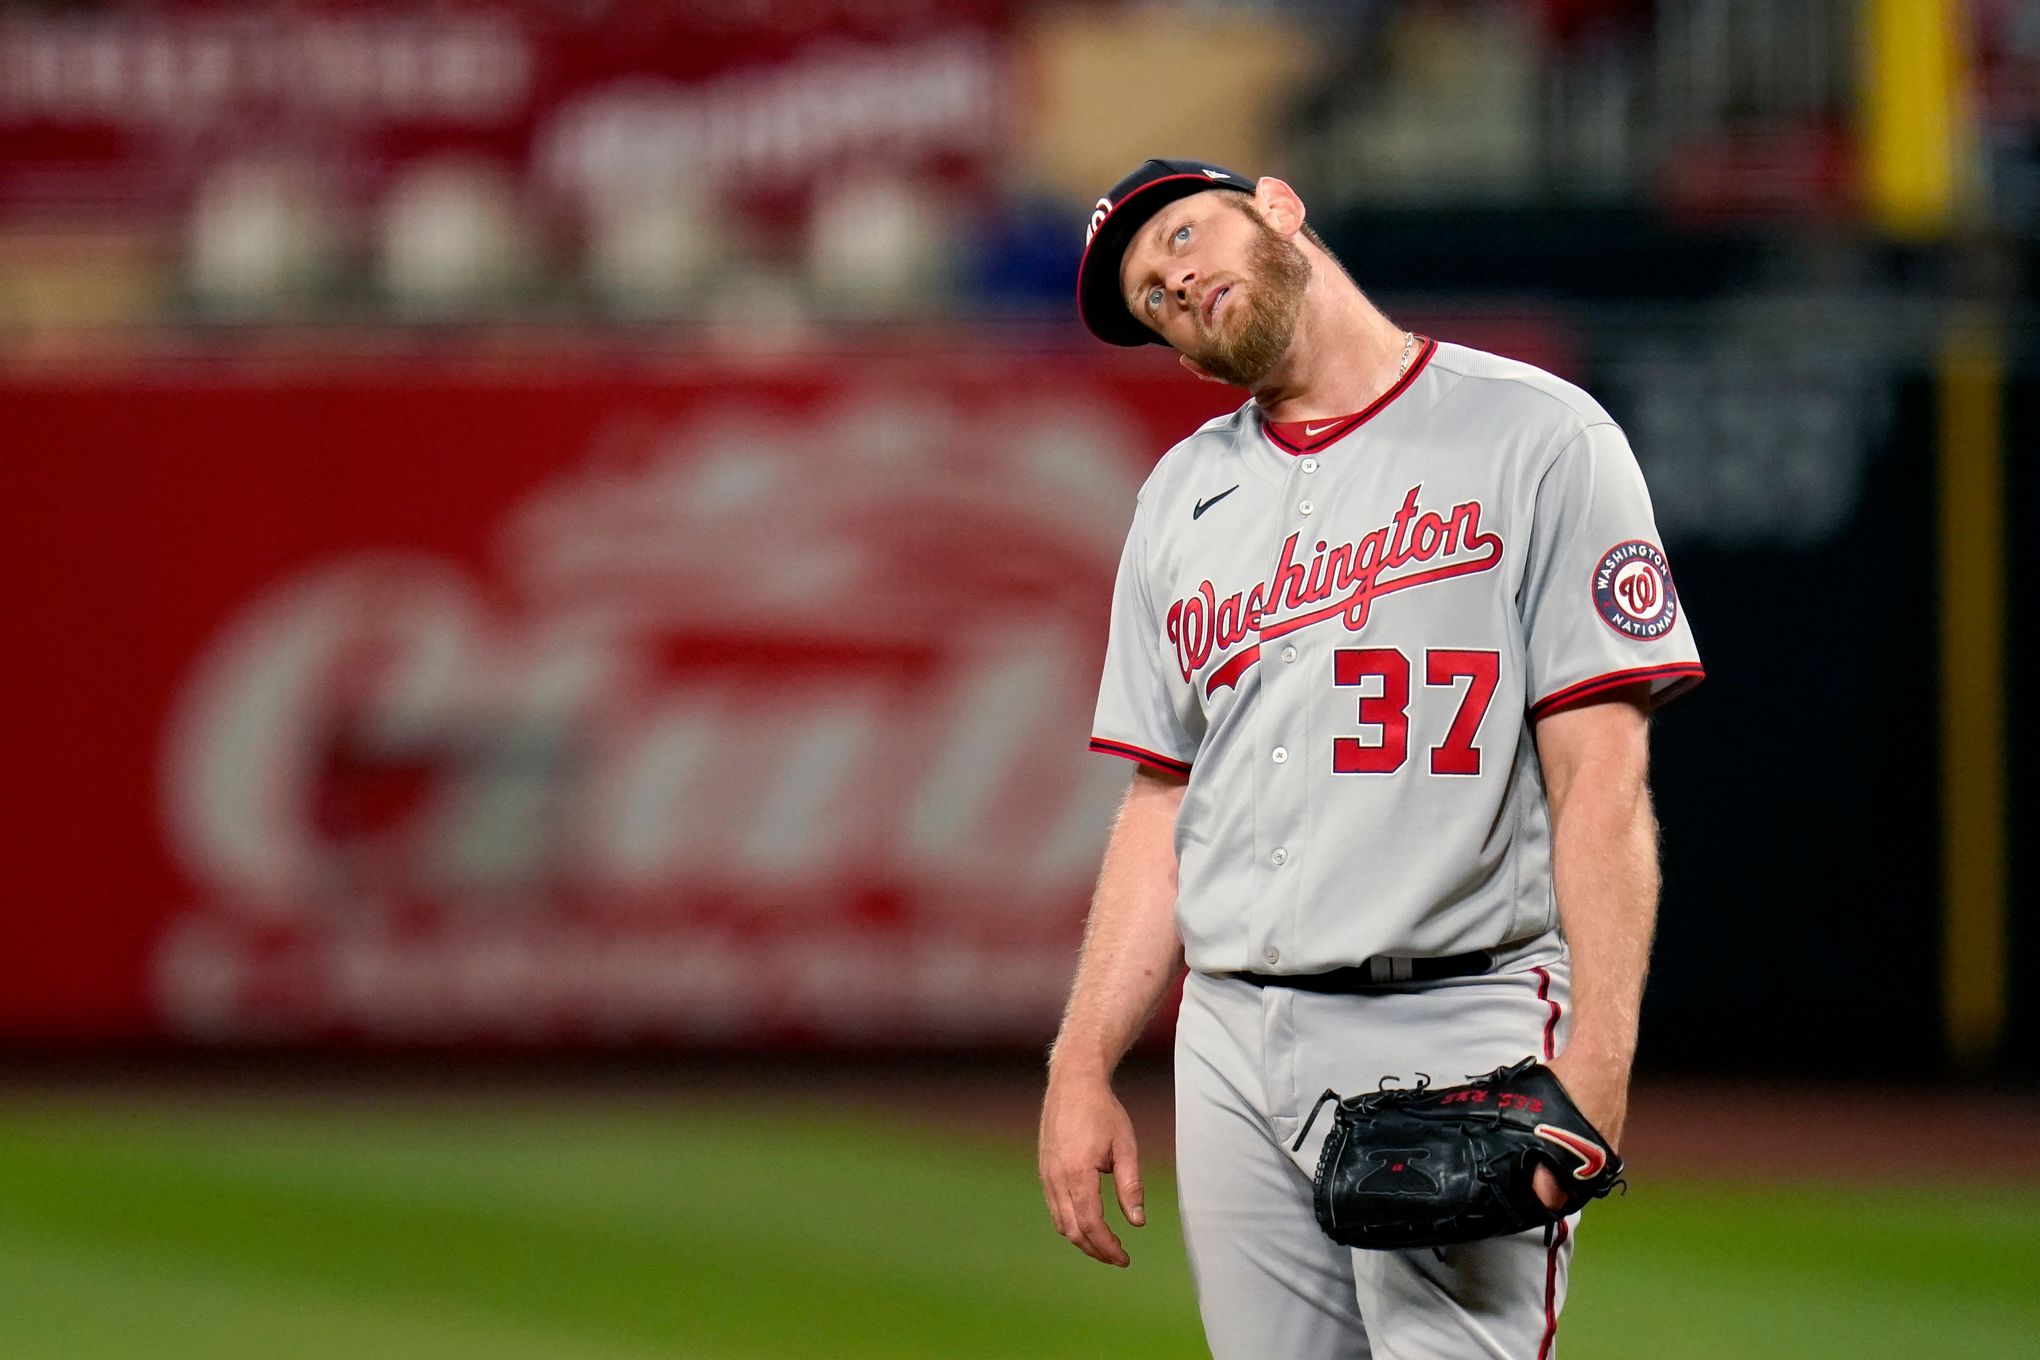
(579, 700)
(625, 698)
(543, 526)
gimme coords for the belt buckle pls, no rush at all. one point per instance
(1383, 968)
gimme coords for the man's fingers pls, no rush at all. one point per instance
(1546, 1186)
(1126, 1181)
(1078, 1212)
(1096, 1239)
(1052, 1192)
(1082, 1219)
(1067, 1220)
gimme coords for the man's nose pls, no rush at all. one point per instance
(1183, 282)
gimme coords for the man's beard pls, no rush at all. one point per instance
(1277, 275)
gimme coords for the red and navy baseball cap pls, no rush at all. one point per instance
(1118, 216)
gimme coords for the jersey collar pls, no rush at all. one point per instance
(1295, 437)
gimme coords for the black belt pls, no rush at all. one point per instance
(1376, 972)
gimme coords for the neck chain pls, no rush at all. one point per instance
(1409, 344)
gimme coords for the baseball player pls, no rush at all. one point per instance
(1383, 646)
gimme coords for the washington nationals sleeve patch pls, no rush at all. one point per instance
(1633, 591)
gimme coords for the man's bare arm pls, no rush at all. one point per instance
(1605, 870)
(1131, 957)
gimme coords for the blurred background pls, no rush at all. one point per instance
(557, 554)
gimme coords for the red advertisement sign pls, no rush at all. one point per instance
(705, 700)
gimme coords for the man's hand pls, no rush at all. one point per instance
(1601, 1090)
(1085, 1133)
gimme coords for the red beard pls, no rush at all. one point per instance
(1263, 322)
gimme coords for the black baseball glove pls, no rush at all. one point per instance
(1430, 1166)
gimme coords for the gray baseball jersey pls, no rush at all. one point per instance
(1344, 643)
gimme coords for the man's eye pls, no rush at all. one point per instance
(1182, 234)
(1154, 298)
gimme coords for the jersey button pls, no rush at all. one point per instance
(1309, 465)
(1273, 956)
(1281, 754)
(1280, 856)
(1289, 653)
(1305, 507)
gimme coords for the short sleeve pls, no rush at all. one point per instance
(1599, 607)
(1142, 703)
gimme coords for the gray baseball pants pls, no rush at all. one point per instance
(1249, 1063)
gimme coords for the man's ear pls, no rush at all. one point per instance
(1199, 370)
(1278, 205)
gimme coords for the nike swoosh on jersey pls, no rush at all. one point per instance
(1313, 431)
(1202, 506)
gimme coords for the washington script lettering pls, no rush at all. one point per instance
(1355, 573)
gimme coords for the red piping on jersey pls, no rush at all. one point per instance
(1426, 347)
(1551, 1025)
(1557, 1242)
(1127, 751)
(1686, 674)
(1551, 1288)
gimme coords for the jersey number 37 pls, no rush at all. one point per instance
(1389, 710)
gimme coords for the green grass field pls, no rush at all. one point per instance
(401, 1228)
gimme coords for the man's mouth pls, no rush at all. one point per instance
(1212, 301)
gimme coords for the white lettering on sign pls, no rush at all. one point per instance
(712, 704)
(194, 69)
(798, 118)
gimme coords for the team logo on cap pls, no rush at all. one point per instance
(1633, 591)
(1103, 211)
